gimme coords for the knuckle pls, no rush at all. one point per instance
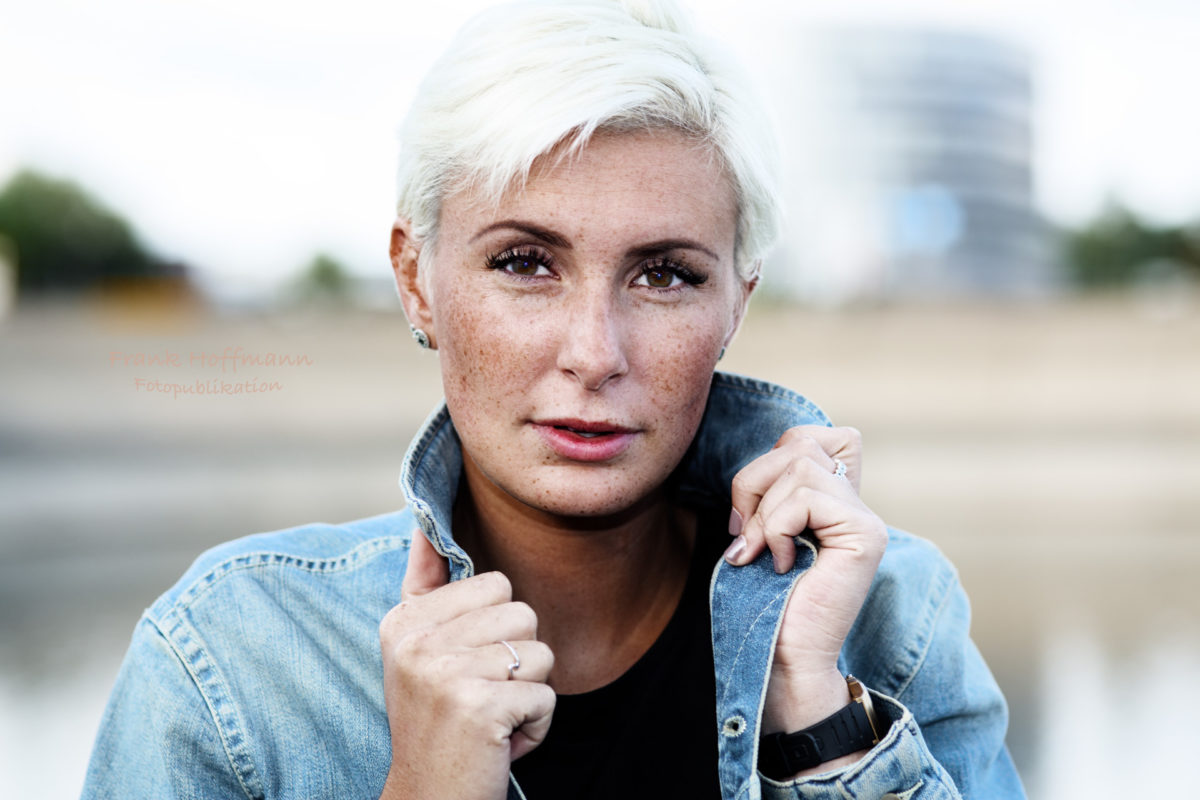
(790, 435)
(813, 450)
(524, 614)
(853, 437)
(800, 439)
(804, 495)
(768, 527)
(873, 536)
(801, 467)
(779, 536)
(388, 622)
(395, 621)
(476, 701)
(539, 653)
(807, 469)
(497, 582)
(419, 643)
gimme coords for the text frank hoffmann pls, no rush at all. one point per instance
(227, 362)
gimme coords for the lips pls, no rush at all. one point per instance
(584, 426)
(585, 440)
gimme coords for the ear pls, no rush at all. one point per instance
(405, 252)
(739, 311)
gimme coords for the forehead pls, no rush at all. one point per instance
(619, 184)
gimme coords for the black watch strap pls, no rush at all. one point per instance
(782, 755)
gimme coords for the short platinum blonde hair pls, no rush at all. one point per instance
(524, 79)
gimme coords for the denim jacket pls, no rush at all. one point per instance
(259, 674)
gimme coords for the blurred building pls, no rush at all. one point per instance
(908, 166)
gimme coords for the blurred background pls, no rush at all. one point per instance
(991, 267)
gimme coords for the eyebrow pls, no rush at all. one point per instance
(667, 245)
(538, 232)
(555, 240)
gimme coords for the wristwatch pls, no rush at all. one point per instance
(854, 728)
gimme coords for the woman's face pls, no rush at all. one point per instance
(579, 321)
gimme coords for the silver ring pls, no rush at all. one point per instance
(516, 662)
(839, 470)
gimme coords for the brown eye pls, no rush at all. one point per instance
(522, 265)
(659, 278)
(667, 276)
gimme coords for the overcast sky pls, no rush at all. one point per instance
(243, 135)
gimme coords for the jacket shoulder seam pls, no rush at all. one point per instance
(210, 684)
(273, 558)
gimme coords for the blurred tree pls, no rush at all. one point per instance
(63, 238)
(326, 275)
(323, 280)
(1118, 248)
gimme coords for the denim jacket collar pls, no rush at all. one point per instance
(743, 419)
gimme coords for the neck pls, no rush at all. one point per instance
(603, 588)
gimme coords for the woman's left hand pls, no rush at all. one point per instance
(776, 497)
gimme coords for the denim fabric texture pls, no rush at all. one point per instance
(258, 675)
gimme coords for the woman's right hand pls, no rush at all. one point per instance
(457, 720)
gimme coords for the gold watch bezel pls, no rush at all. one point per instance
(860, 695)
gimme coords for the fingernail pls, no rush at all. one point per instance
(735, 522)
(779, 570)
(735, 550)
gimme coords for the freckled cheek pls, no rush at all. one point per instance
(487, 358)
(680, 371)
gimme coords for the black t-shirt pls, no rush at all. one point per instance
(653, 731)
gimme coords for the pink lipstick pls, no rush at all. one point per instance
(581, 440)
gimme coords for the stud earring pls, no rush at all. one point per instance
(419, 336)
(721, 354)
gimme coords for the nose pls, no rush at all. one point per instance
(591, 349)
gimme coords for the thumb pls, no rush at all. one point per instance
(426, 569)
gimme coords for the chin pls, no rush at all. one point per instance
(590, 496)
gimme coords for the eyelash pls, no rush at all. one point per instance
(687, 276)
(500, 261)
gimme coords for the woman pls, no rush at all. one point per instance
(584, 200)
